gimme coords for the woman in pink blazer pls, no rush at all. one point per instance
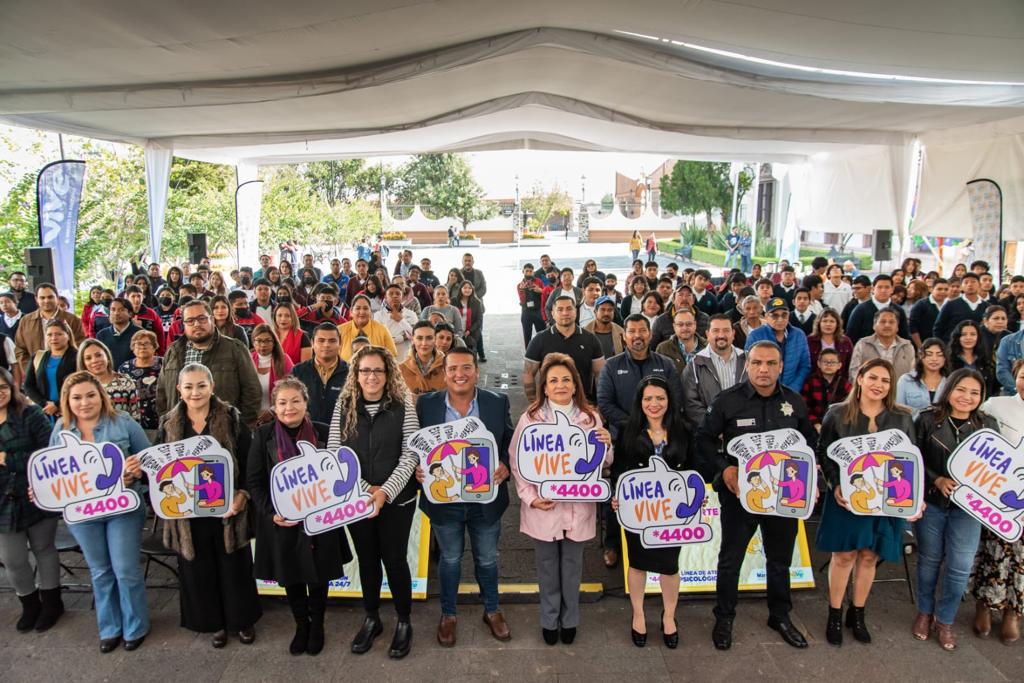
(559, 530)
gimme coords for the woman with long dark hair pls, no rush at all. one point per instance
(917, 390)
(858, 541)
(635, 292)
(24, 429)
(559, 530)
(94, 357)
(272, 364)
(50, 367)
(827, 333)
(654, 427)
(289, 332)
(651, 306)
(224, 319)
(375, 417)
(217, 592)
(374, 292)
(967, 349)
(175, 279)
(947, 537)
(472, 311)
(303, 565)
(454, 283)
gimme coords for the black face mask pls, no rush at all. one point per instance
(107, 302)
(309, 280)
(246, 280)
(241, 312)
(166, 301)
(284, 299)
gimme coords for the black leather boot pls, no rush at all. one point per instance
(402, 642)
(371, 628)
(855, 621)
(30, 609)
(834, 629)
(300, 610)
(52, 608)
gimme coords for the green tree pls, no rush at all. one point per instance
(19, 225)
(346, 180)
(607, 203)
(444, 182)
(744, 181)
(544, 205)
(697, 187)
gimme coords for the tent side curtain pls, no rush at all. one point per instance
(943, 208)
(158, 174)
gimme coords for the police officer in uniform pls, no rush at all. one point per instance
(759, 404)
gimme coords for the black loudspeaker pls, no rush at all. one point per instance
(39, 266)
(196, 246)
(882, 245)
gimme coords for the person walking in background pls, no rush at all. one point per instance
(746, 252)
(635, 243)
(651, 246)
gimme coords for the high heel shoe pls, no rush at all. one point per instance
(834, 627)
(671, 639)
(639, 639)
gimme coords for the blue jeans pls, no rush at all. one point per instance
(111, 548)
(451, 540)
(947, 536)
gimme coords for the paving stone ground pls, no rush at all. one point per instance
(602, 652)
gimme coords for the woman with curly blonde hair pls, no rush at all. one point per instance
(375, 417)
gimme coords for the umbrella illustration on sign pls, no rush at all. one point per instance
(446, 449)
(874, 459)
(765, 459)
(176, 467)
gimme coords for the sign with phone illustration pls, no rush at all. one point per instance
(459, 459)
(662, 506)
(880, 474)
(82, 480)
(563, 460)
(989, 471)
(193, 477)
(777, 473)
(320, 488)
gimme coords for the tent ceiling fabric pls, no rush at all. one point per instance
(261, 82)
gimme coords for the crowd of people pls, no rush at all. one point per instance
(669, 363)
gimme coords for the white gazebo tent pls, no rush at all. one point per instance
(840, 91)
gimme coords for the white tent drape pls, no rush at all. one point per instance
(158, 173)
(248, 205)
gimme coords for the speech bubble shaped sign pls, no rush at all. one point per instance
(563, 460)
(880, 474)
(990, 473)
(81, 480)
(459, 459)
(320, 488)
(193, 477)
(777, 473)
(663, 506)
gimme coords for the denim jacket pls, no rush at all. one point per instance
(1011, 350)
(122, 431)
(914, 394)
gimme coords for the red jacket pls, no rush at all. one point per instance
(819, 396)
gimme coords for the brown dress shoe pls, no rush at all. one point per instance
(1010, 632)
(611, 558)
(499, 627)
(944, 632)
(982, 619)
(446, 632)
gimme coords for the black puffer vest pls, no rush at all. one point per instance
(378, 442)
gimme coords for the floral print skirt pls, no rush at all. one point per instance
(998, 577)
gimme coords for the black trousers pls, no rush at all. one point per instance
(308, 601)
(777, 535)
(384, 539)
(533, 321)
(218, 591)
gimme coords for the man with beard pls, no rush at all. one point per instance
(234, 375)
(26, 301)
(118, 335)
(604, 328)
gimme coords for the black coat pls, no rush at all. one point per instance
(286, 554)
(937, 442)
(36, 386)
(631, 454)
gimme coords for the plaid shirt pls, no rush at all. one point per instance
(192, 354)
(819, 395)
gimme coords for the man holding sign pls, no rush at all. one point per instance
(461, 398)
(759, 404)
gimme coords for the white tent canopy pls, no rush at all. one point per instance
(794, 81)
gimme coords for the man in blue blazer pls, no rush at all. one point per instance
(450, 521)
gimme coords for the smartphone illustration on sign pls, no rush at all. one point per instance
(476, 471)
(792, 489)
(898, 486)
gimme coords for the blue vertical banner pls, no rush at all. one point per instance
(58, 197)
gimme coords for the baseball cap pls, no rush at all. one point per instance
(776, 303)
(603, 300)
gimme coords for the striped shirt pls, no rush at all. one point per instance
(407, 461)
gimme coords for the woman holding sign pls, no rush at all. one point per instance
(654, 428)
(858, 540)
(217, 594)
(111, 545)
(374, 419)
(559, 530)
(947, 537)
(302, 564)
(24, 429)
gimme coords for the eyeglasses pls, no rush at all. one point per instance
(198, 320)
(376, 372)
(830, 362)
